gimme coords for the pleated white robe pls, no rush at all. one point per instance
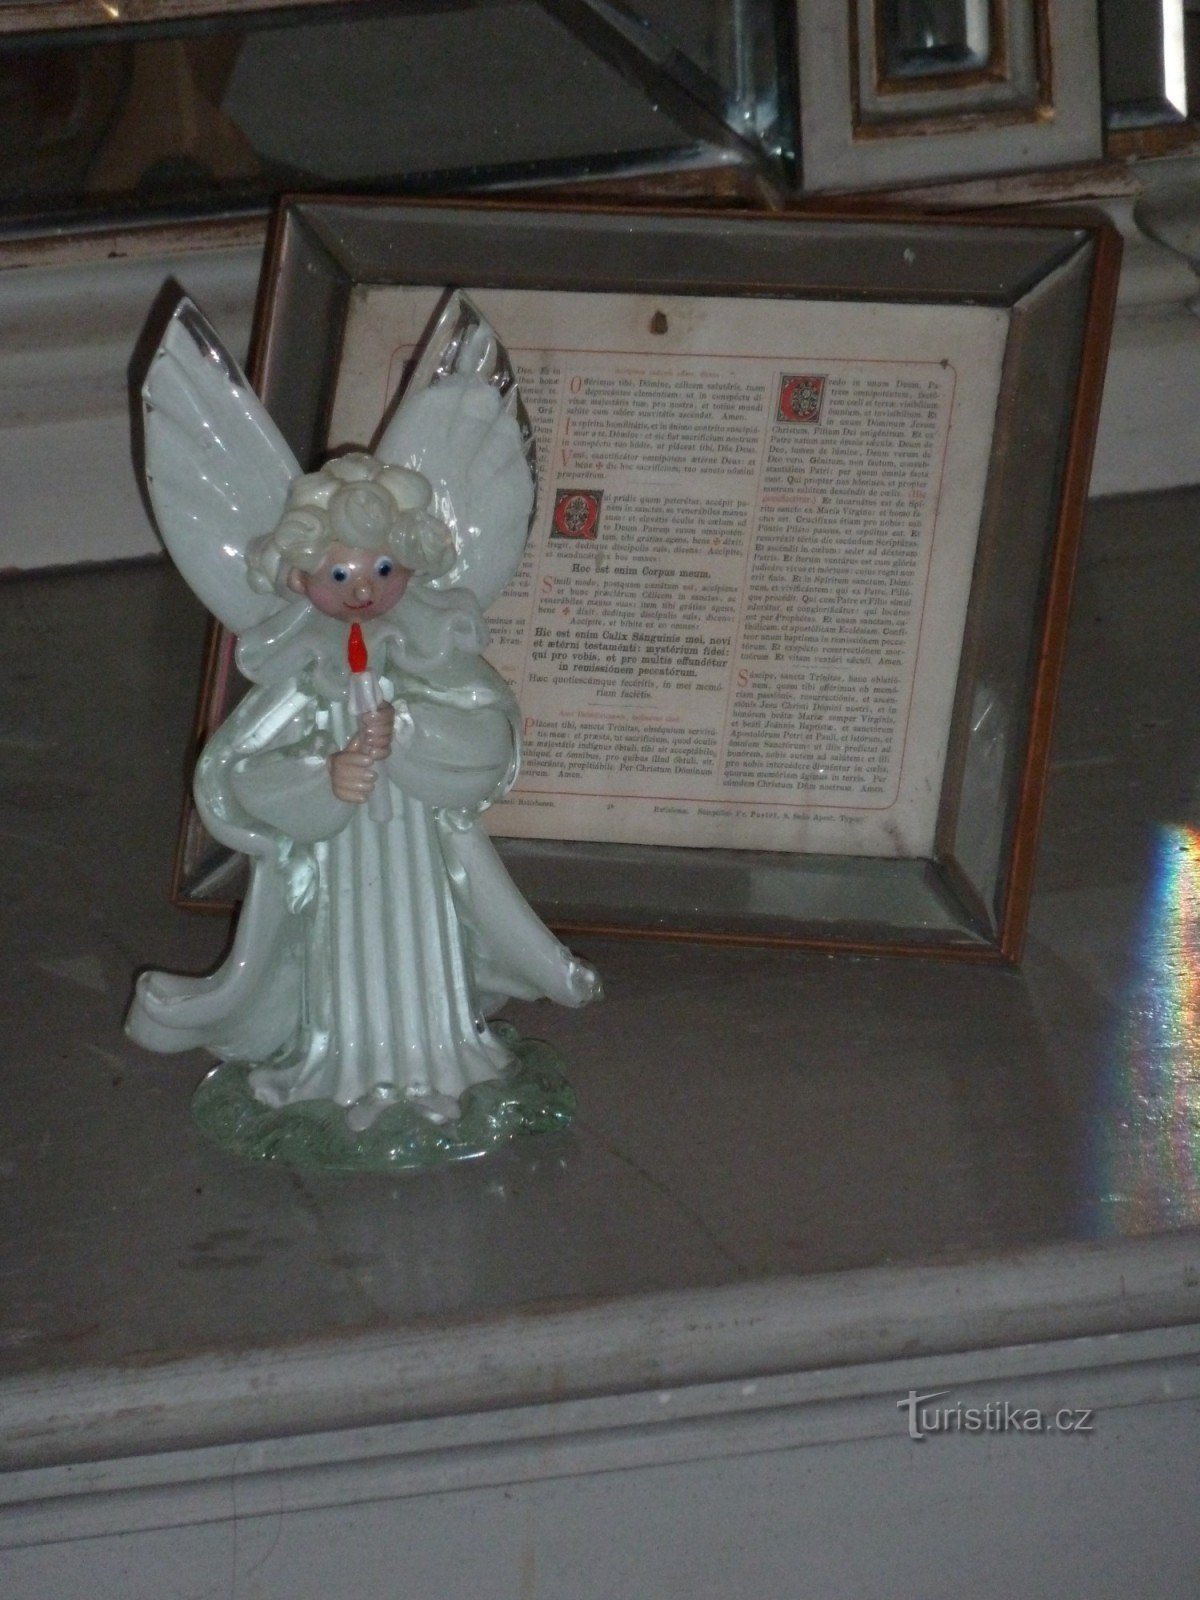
(388, 998)
(367, 953)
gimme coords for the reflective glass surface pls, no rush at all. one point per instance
(195, 115)
(923, 38)
(1150, 52)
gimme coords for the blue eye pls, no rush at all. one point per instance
(383, 567)
(338, 574)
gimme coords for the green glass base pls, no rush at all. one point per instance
(532, 1097)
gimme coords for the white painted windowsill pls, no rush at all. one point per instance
(74, 315)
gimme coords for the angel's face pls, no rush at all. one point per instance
(353, 585)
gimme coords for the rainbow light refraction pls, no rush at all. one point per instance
(1148, 1138)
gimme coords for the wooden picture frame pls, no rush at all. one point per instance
(1005, 319)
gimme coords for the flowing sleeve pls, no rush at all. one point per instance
(290, 790)
(452, 755)
(455, 744)
(266, 774)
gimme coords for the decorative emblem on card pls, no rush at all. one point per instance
(576, 514)
(800, 398)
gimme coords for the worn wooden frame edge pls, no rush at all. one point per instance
(1007, 943)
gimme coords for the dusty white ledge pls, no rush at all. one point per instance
(569, 1439)
(826, 1335)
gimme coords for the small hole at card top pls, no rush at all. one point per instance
(658, 322)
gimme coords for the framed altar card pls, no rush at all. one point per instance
(788, 628)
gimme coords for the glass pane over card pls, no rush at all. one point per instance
(786, 633)
(739, 618)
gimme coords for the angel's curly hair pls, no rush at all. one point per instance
(356, 500)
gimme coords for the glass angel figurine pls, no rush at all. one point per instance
(380, 930)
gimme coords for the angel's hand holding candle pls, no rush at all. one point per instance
(352, 771)
(375, 731)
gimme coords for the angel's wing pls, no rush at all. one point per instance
(462, 424)
(217, 467)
